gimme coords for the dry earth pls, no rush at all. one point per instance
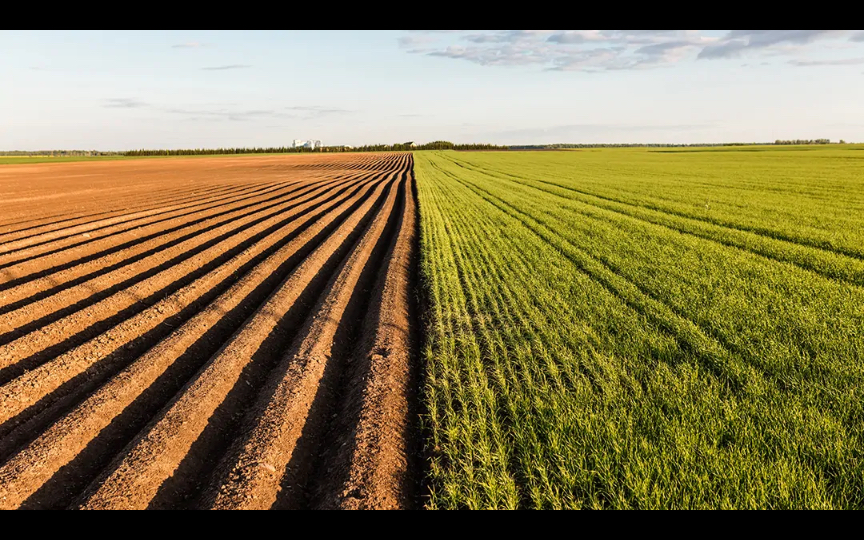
(232, 332)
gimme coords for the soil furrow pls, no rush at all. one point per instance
(67, 257)
(142, 253)
(66, 221)
(252, 478)
(28, 470)
(101, 353)
(29, 387)
(134, 481)
(374, 443)
(87, 239)
(76, 309)
(242, 338)
(126, 219)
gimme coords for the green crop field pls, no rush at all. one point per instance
(644, 328)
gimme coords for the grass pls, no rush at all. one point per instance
(629, 328)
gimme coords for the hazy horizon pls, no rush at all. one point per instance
(121, 90)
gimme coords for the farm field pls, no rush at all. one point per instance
(231, 332)
(587, 328)
(20, 160)
(644, 328)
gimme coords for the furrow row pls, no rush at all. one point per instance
(203, 366)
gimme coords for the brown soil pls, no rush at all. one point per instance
(196, 333)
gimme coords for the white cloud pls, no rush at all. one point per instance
(412, 41)
(738, 42)
(839, 62)
(572, 50)
(605, 50)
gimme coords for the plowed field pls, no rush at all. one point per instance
(208, 333)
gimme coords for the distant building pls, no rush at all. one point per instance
(311, 144)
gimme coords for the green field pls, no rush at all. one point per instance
(644, 328)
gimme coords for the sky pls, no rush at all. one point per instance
(118, 90)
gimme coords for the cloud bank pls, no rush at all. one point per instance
(610, 50)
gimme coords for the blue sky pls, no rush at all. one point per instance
(181, 89)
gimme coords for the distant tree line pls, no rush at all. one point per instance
(625, 145)
(447, 145)
(58, 153)
(805, 141)
(664, 145)
(396, 147)
(220, 151)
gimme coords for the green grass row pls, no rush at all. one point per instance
(637, 329)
